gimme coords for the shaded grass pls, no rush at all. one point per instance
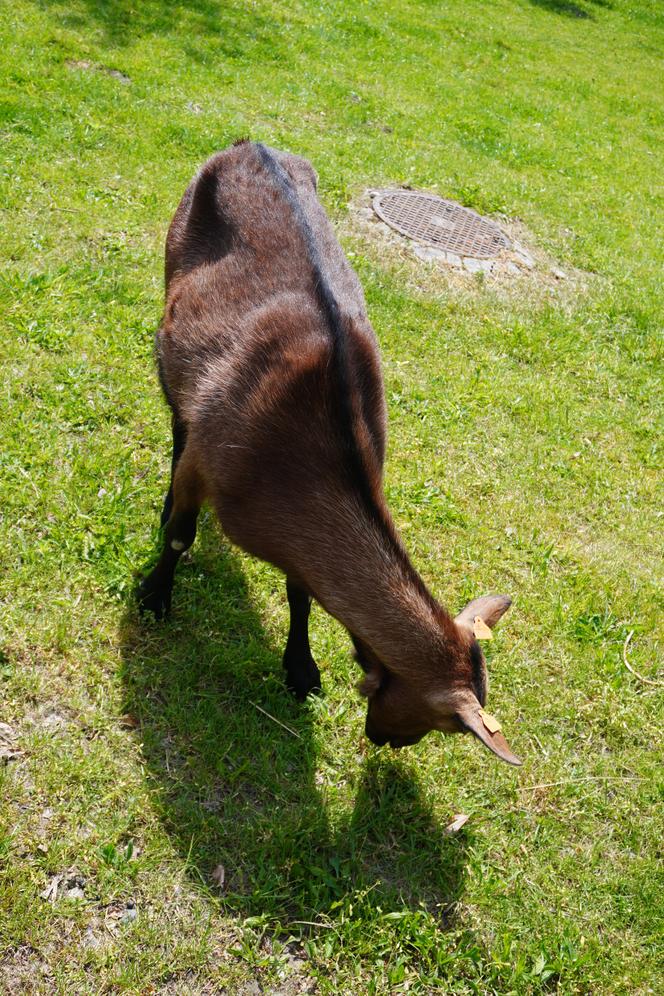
(525, 456)
(222, 763)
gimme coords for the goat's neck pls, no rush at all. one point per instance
(363, 578)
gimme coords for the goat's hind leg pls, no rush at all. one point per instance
(302, 674)
(154, 593)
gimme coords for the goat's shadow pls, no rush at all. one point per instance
(233, 787)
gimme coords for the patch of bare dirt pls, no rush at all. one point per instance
(9, 750)
(23, 971)
(93, 67)
(189, 985)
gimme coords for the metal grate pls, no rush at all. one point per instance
(441, 223)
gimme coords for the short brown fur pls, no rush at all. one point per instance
(272, 371)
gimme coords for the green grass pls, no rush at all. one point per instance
(525, 456)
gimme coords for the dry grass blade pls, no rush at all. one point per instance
(646, 681)
(275, 720)
(585, 778)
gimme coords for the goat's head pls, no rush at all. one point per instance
(402, 709)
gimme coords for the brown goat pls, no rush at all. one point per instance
(272, 371)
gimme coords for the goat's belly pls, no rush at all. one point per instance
(258, 527)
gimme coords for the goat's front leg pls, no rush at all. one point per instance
(302, 674)
(154, 593)
(179, 443)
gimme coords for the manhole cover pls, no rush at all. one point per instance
(441, 223)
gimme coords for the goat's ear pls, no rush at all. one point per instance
(374, 672)
(482, 614)
(487, 729)
(372, 680)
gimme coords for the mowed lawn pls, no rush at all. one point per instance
(524, 457)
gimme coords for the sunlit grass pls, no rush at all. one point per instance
(524, 456)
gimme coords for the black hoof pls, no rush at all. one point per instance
(303, 680)
(154, 596)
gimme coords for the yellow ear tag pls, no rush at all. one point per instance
(480, 629)
(490, 722)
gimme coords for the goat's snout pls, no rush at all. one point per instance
(372, 734)
(394, 740)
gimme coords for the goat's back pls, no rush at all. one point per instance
(266, 352)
